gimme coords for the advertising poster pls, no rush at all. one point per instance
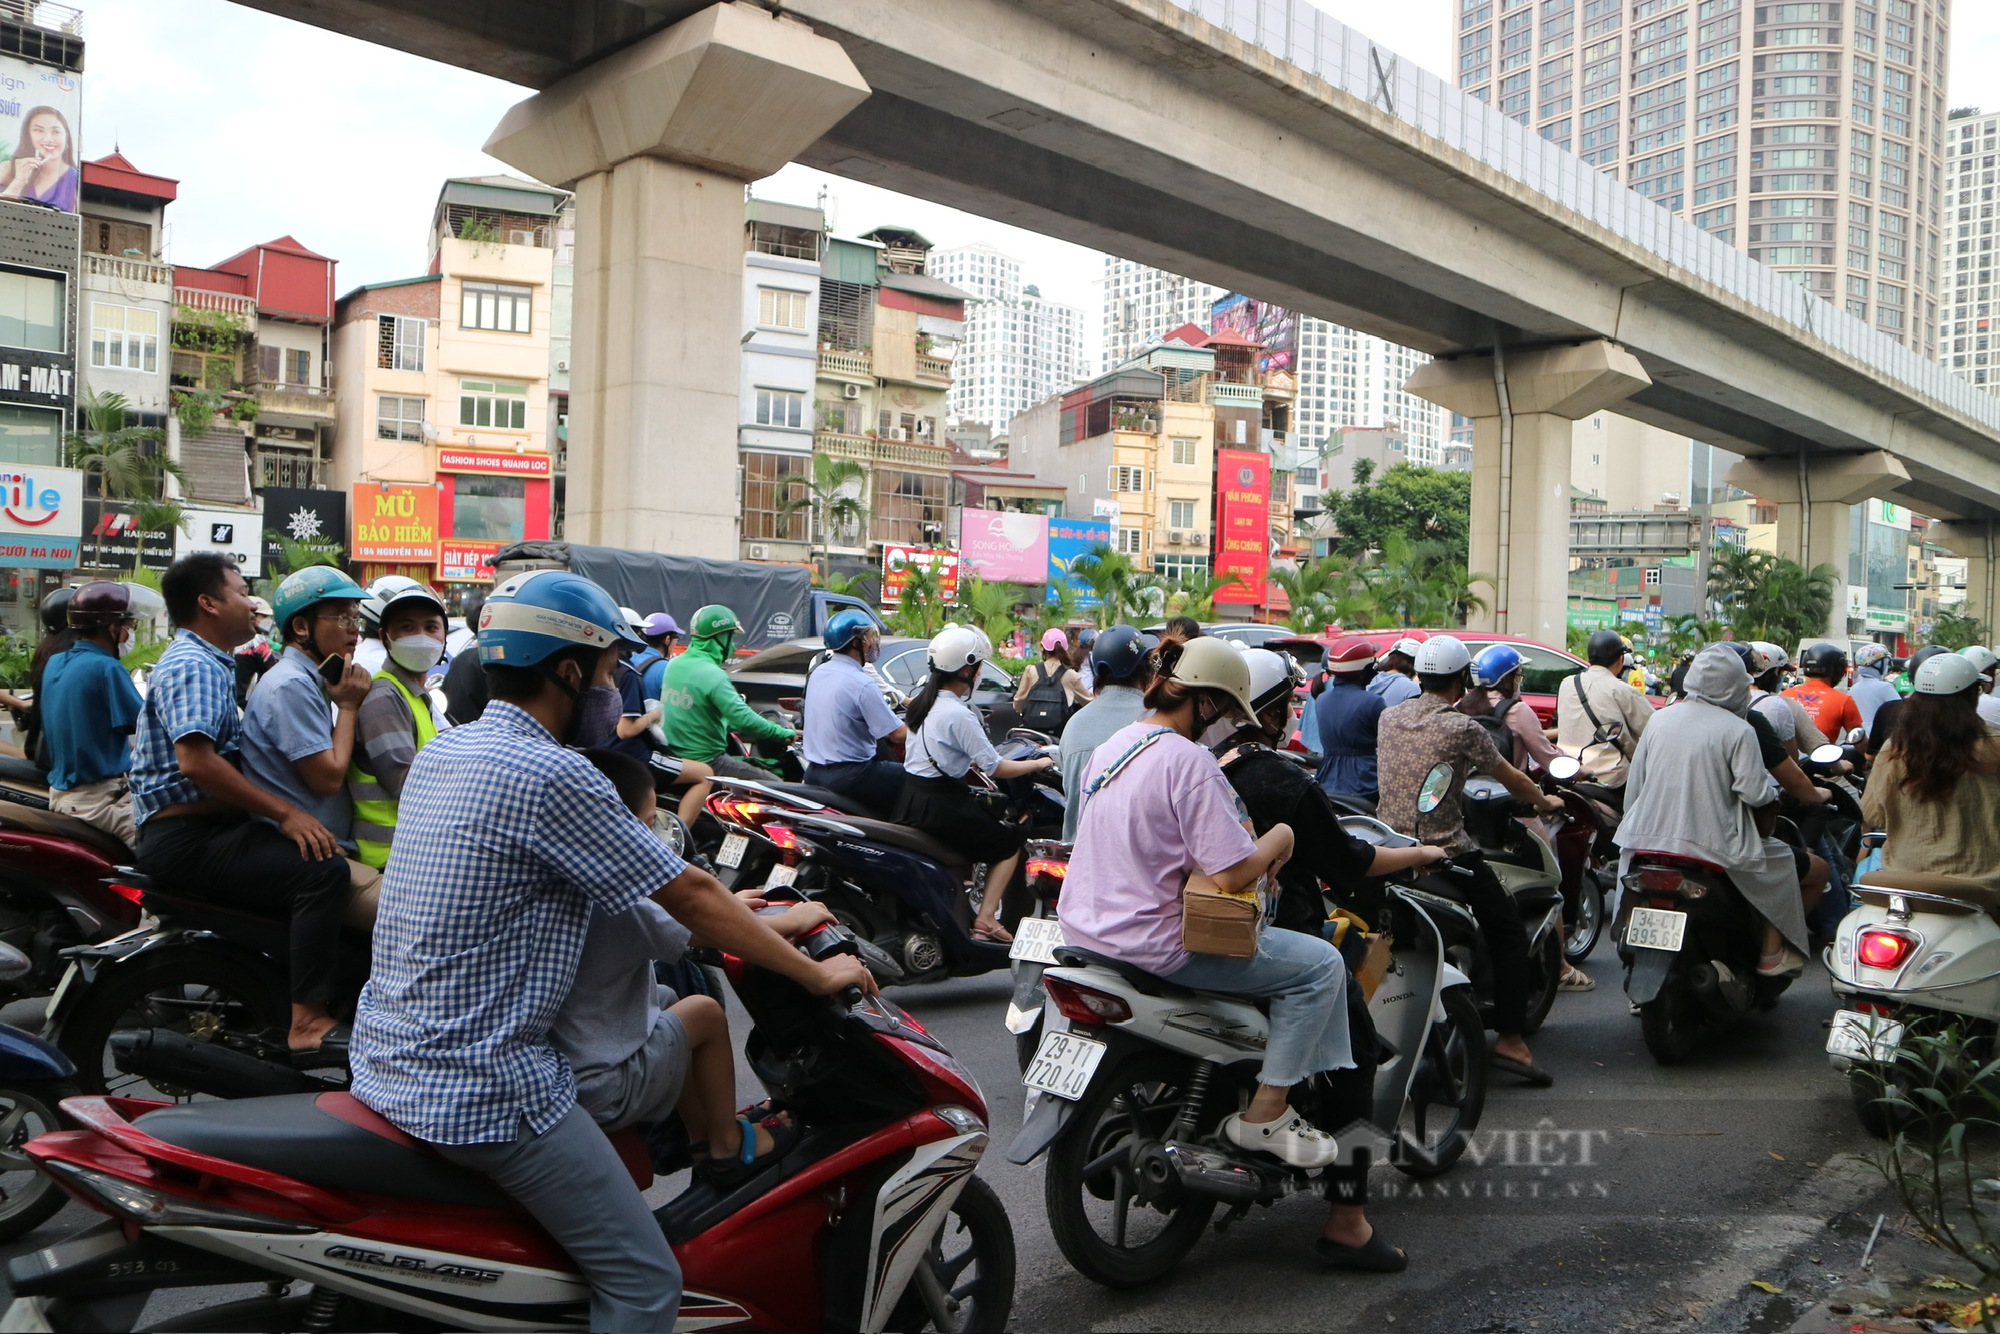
(896, 563)
(41, 517)
(299, 514)
(461, 562)
(1068, 539)
(238, 534)
(395, 523)
(1272, 327)
(1242, 537)
(1005, 547)
(40, 134)
(112, 539)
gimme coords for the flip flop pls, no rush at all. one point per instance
(1527, 1070)
(1576, 980)
(1374, 1256)
(748, 1163)
(331, 1051)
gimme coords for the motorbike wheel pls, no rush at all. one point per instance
(28, 1195)
(1586, 922)
(1882, 1120)
(1026, 1044)
(195, 995)
(1545, 968)
(971, 1265)
(1448, 1094)
(1671, 1023)
(1090, 1184)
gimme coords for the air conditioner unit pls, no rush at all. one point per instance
(518, 237)
(1176, 537)
(758, 551)
(562, 366)
(850, 391)
(1199, 539)
(898, 433)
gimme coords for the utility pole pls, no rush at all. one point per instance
(1704, 541)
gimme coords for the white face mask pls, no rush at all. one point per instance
(128, 643)
(416, 653)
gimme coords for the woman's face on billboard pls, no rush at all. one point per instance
(49, 135)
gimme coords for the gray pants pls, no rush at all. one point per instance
(735, 766)
(575, 1185)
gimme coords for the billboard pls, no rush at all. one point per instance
(461, 562)
(1004, 547)
(1242, 535)
(113, 540)
(395, 523)
(302, 514)
(40, 134)
(41, 517)
(1275, 328)
(896, 563)
(238, 534)
(1068, 539)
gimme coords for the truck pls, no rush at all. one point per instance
(774, 602)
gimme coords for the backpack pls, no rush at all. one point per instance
(1046, 707)
(1495, 723)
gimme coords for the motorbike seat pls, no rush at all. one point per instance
(331, 1140)
(1614, 797)
(910, 840)
(22, 773)
(826, 796)
(34, 820)
(1147, 984)
(1876, 887)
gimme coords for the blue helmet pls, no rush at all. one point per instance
(845, 627)
(542, 612)
(302, 589)
(1490, 668)
(1118, 652)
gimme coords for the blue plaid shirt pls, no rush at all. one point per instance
(504, 841)
(192, 692)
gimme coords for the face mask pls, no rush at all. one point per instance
(416, 653)
(872, 651)
(127, 644)
(596, 718)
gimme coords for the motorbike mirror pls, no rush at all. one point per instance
(13, 963)
(1827, 754)
(1565, 767)
(671, 831)
(439, 704)
(1437, 783)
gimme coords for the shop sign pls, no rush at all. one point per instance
(43, 378)
(1243, 539)
(112, 538)
(897, 561)
(509, 465)
(237, 534)
(395, 523)
(466, 562)
(1005, 546)
(41, 517)
(302, 514)
(1068, 540)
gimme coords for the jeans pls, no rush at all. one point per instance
(1306, 982)
(1506, 940)
(577, 1188)
(874, 783)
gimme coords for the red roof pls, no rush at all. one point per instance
(1227, 339)
(211, 280)
(114, 171)
(288, 280)
(1191, 334)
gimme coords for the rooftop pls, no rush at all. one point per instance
(114, 174)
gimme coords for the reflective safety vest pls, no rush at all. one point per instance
(375, 810)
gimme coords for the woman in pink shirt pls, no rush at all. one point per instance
(1156, 808)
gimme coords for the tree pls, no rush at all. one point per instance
(128, 464)
(1118, 584)
(295, 555)
(1419, 504)
(1194, 594)
(1955, 628)
(1772, 598)
(988, 606)
(920, 611)
(830, 499)
(1327, 591)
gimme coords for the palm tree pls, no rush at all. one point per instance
(848, 585)
(831, 498)
(920, 611)
(1955, 628)
(296, 555)
(1117, 583)
(989, 606)
(1194, 593)
(127, 463)
(1772, 598)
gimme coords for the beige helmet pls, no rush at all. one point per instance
(1215, 664)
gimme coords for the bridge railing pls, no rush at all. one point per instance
(1299, 32)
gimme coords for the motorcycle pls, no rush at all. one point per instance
(875, 1219)
(1132, 1076)
(60, 887)
(1587, 851)
(34, 1079)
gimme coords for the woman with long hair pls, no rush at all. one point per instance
(1936, 785)
(43, 169)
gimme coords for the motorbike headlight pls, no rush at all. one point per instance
(962, 1119)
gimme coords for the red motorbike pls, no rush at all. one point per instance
(872, 1221)
(59, 887)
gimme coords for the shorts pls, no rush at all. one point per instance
(643, 1088)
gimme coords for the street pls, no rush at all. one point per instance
(1627, 1196)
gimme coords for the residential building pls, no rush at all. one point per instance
(1810, 134)
(1347, 378)
(1629, 465)
(1965, 340)
(128, 288)
(1141, 303)
(783, 245)
(443, 385)
(561, 307)
(1019, 346)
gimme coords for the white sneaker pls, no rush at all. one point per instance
(1291, 1138)
(1788, 963)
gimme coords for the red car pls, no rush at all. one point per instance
(1542, 668)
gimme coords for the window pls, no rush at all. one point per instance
(124, 337)
(398, 417)
(30, 435)
(1180, 514)
(493, 403)
(1128, 541)
(127, 240)
(489, 509)
(1184, 451)
(298, 366)
(31, 311)
(908, 506)
(399, 343)
(1127, 479)
(1542, 669)
(780, 309)
(780, 407)
(496, 306)
(767, 484)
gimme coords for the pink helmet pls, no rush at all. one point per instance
(1054, 641)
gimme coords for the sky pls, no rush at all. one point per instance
(273, 127)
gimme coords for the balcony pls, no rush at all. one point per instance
(1229, 394)
(933, 370)
(227, 303)
(866, 449)
(848, 365)
(297, 400)
(120, 269)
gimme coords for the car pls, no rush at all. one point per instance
(1543, 669)
(1250, 634)
(770, 677)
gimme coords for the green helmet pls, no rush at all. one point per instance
(714, 621)
(314, 584)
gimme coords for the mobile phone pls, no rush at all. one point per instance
(331, 668)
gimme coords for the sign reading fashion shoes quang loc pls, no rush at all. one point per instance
(1243, 520)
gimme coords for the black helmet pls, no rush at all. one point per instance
(55, 610)
(1118, 653)
(99, 604)
(1823, 660)
(1605, 647)
(1922, 656)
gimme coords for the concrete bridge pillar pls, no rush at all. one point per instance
(1523, 405)
(1978, 541)
(658, 140)
(1815, 499)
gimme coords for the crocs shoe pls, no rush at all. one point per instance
(1291, 1138)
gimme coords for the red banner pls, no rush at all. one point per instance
(1243, 524)
(511, 465)
(896, 563)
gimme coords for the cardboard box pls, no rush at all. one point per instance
(1214, 922)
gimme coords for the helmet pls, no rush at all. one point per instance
(1211, 664)
(1870, 655)
(263, 607)
(1406, 646)
(1983, 659)
(711, 622)
(1086, 636)
(633, 619)
(1922, 656)
(1054, 641)
(1773, 655)
(958, 647)
(1490, 668)
(55, 610)
(1273, 677)
(1755, 661)
(1441, 655)
(532, 615)
(1823, 660)
(99, 604)
(1947, 674)
(1604, 647)
(846, 627)
(304, 589)
(1356, 657)
(390, 589)
(658, 624)
(1118, 653)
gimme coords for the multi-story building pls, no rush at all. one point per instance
(1141, 303)
(1810, 133)
(1347, 378)
(443, 387)
(777, 415)
(1965, 340)
(562, 286)
(1019, 346)
(128, 287)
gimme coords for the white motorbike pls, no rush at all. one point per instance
(1917, 951)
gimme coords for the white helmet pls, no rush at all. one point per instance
(1442, 655)
(958, 647)
(1214, 664)
(1982, 658)
(1773, 655)
(1273, 676)
(633, 619)
(1406, 646)
(1946, 674)
(390, 589)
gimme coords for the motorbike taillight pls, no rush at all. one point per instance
(1660, 878)
(125, 891)
(1050, 867)
(733, 809)
(1884, 949)
(1082, 1005)
(783, 835)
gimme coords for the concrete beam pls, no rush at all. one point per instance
(1978, 541)
(1846, 480)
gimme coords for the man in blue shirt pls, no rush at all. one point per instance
(194, 807)
(89, 708)
(1346, 716)
(506, 842)
(845, 716)
(659, 632)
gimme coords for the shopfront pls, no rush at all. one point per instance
(487, 499)
(41, 526)
(395, 530)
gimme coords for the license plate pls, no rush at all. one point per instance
(1656, 929)
(1036, 939)
(1063, 1065)
(781, 875)
(1863, 1037)
(62, 989)
(732, 850)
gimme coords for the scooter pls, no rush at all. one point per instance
(59, 887)
(1918, 951)
(1587, 851)
(1527, 869)
(34, 1079)
(874, 1220)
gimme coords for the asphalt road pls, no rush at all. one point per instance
(1628, 1196)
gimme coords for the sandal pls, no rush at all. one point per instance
(331, 1051)
(748, 1161)
(1575, 979)
(1527, 1070)
(995, 934)
(1374, 1256)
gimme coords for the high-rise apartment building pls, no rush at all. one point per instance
(1142, 303)
(1019, 346)
(1351, 379)
(1810, 134)
(1965, 340)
